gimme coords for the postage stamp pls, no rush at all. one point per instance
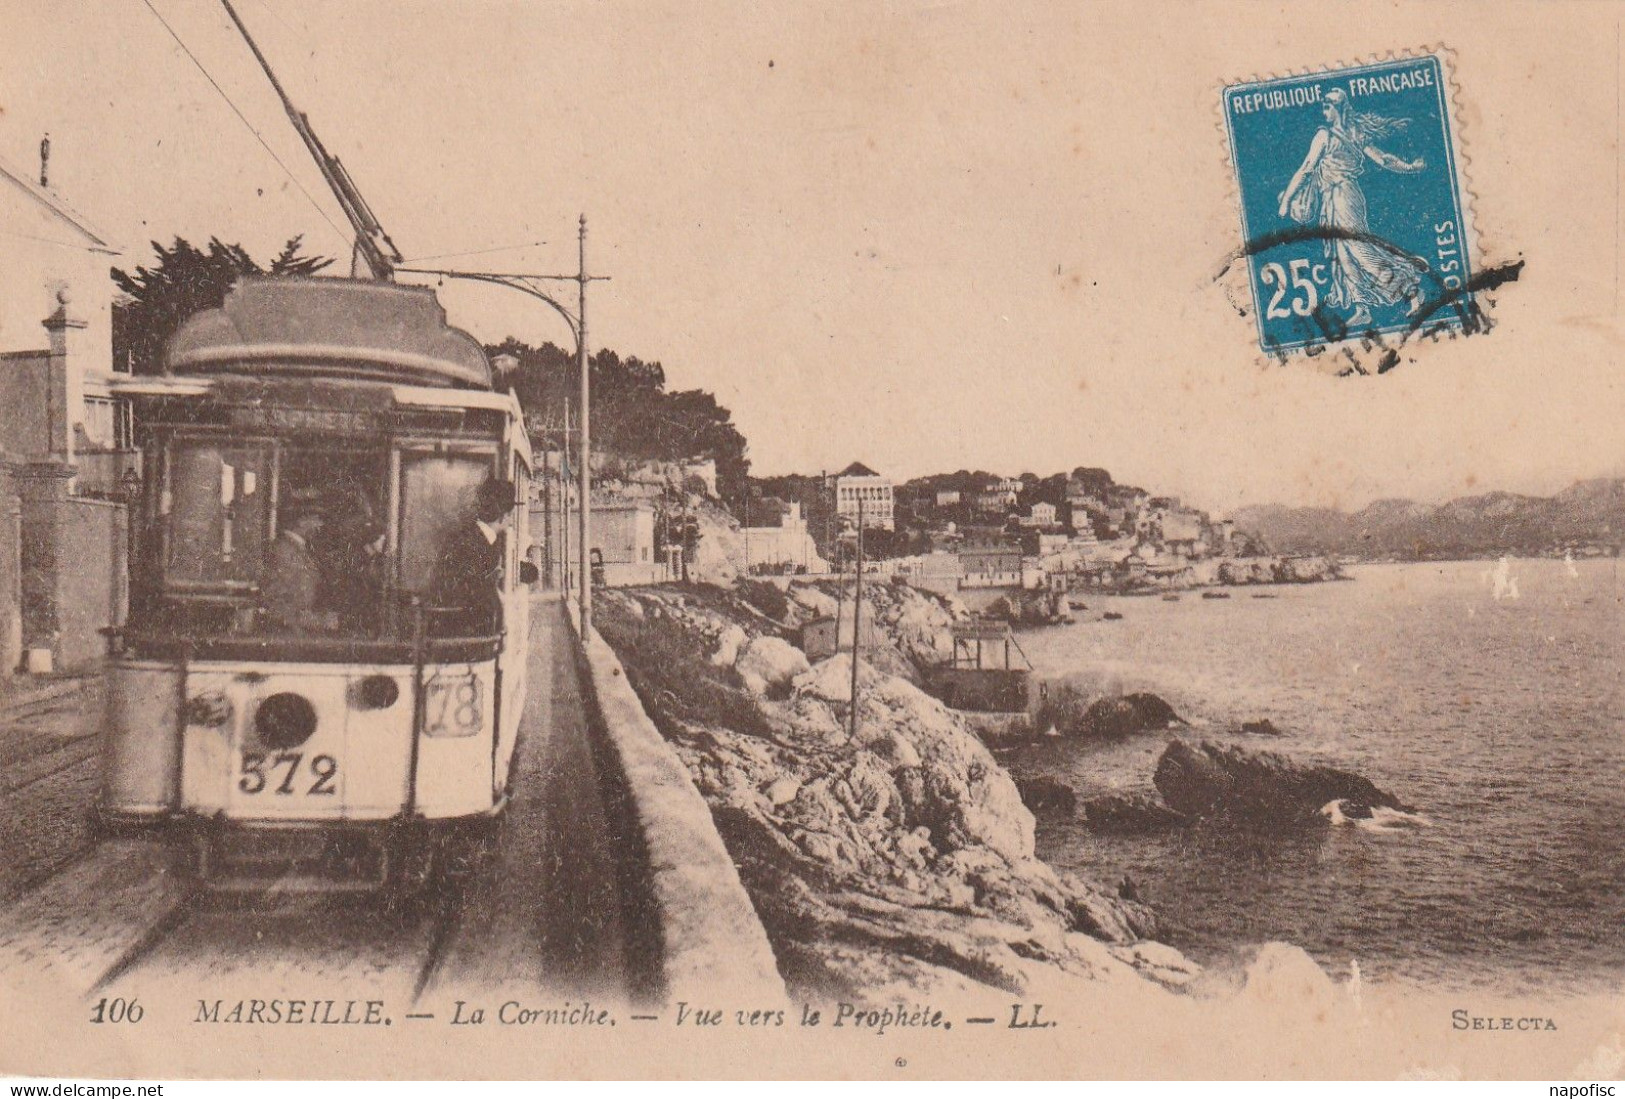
(1352, 213)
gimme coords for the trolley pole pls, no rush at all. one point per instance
(585, 566)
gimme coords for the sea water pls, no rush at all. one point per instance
(1494, 708)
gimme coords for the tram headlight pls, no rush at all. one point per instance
(285, 720)
(375, 692)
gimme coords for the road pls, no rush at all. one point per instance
(542, 915)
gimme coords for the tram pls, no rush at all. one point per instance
(324, 724)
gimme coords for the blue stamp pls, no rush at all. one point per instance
(1351, 205)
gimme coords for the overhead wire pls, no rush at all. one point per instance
(477, 252)
(244, 120)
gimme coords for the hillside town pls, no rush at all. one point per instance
(974, 535)
(968, 533)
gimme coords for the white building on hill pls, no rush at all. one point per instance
(857, 482)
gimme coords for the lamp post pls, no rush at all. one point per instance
(531, 284)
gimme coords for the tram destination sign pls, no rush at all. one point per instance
(306, 419)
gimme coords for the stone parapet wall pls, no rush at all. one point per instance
(707, 935)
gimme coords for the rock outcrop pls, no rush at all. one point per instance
(1210, 780)
(1130, 813)
(893, 856)
(768, 665)
(1047, 795)
(1072, 713)
(1273, 570)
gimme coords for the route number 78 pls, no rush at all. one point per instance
(1304, 277)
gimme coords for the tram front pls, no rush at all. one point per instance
(322, 668)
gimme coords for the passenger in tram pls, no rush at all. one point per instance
(467, 577)
(291, 585)
(349, 550)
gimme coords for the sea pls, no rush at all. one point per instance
(1487, 695)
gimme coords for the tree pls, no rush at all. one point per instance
(185, 280)
(633, 414)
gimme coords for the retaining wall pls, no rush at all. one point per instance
(708, 938)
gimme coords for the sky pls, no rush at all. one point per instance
(927, 236)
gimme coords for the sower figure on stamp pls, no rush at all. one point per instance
(467, 577)
(1325, 191)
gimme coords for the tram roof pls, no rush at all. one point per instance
(422, 396)
(330, 327)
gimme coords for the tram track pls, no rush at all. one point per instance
(144, 946)
(80, 759)
(145, 941)
(93, 913)
(534, 907)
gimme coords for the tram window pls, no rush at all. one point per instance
(521, 539)
(332, 579)
(437, 492)
(219, 507)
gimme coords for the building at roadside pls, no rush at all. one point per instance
(939, 571)
(990, 563)
(782, 545)
(1040, 514)
(54, 381)
(623, 542)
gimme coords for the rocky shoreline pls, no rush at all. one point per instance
(894, 856)
(896, 859)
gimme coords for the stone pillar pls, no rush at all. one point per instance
(42, 489)
(65, 396)
(11, 619)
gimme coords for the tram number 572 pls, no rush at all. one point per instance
(283, 773)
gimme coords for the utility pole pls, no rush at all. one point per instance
(564, 506)
(586, 433)
(857, 625)
(547, 513)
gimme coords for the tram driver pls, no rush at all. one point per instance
(291, 584)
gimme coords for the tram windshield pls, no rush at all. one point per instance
(219, 505)
(282, 539)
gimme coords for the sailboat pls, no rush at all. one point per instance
(1506, 585)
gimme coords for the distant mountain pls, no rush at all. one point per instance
(1589, 513)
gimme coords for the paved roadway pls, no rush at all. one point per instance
(543, 916)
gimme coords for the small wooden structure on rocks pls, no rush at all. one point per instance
(979, 677)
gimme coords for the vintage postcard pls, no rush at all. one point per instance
(897, 540)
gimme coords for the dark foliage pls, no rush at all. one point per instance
(765, 597)
(673, 677)
(633, 414)
(185, 280)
